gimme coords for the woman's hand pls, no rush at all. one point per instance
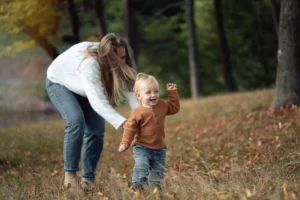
(171, 86)
(123, 147)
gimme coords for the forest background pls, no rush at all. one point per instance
(206, 47)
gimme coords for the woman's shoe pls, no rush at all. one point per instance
(71, 183)
(87, 185)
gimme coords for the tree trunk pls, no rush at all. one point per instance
(42, 41)
(130, 30)
(74, 21)
(224, 50)
(260, 43)
(100, 20)
(48, 46)
(193, 49)
(275, 13)
(263, 59)
(288, 68)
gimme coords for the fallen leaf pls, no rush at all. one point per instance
(248, 193)
(279, 125)
(55, 172)
(99, 193)
(284, 191)
(294, 195)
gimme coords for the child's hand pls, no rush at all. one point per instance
(123, 147)
(171, 86)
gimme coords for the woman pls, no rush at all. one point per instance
(83, 83)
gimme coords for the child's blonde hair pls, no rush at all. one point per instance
(142, 78)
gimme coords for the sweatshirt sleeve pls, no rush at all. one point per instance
(130, 128)
(90, 78)
(173, 102)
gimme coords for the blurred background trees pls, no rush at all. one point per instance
(205, 46)
(39, 20)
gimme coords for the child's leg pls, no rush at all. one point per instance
(158, 165)
(141, 167)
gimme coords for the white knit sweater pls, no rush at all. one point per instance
(83, 77)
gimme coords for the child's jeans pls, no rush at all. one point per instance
(149, 167)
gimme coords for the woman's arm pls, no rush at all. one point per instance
(90, 78)
(132, 100)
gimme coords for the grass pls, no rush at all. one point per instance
(219, 147)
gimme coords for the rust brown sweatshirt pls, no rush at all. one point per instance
(146, 126)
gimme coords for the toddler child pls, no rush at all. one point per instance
(145, 132)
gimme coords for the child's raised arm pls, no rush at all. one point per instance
(173, 99)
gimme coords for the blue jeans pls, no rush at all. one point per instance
(149, 167)
(83, 127)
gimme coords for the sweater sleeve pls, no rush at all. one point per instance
(131, 99)
(130, 128)
(173, 102)
(90, 78)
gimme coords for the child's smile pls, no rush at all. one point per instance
(148, 94)
(152, 101)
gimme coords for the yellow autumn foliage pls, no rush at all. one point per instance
(17, 46)
(32, 17)
(18, 14)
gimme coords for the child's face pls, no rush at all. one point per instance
(148, 94)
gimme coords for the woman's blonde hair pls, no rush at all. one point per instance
(143, 78)
(117, 76)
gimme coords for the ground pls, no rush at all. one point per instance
(221, 147)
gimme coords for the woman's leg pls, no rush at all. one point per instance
(68, 106)
(93, 140)
(140, 174)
